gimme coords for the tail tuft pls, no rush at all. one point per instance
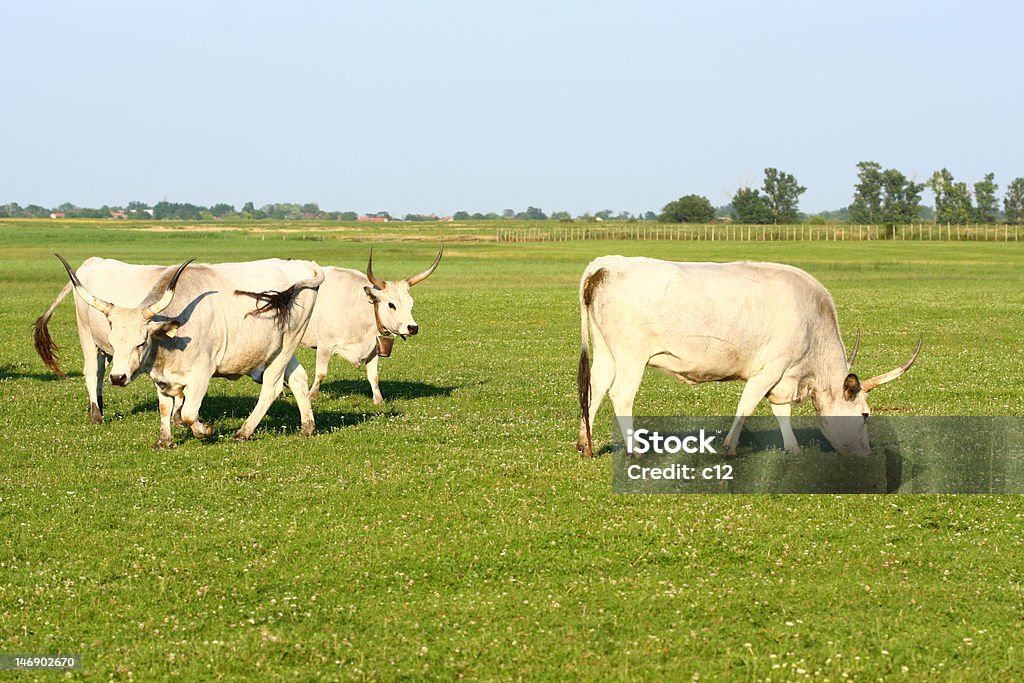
(583, 385)
(279, 304)
(46, 347)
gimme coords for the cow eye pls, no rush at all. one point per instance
(392, 307)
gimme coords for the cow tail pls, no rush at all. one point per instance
(45, 346)
(279, 303)
(583, 371)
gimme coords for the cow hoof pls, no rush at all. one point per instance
(160, 444)
(314, 395)
(95, 414)
(203, 432)
(585, 451)
(378, 400)
(241, 436)
(308, 428)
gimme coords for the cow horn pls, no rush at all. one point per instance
(416, 279)
(853, 356)
(151, 310)
(100, 305)
(379, 284)
(879, 380)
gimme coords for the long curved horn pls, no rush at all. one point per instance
(416, 279)
(165, 299)
(100, 305)
(853, 356)
(879, 380)
(378, 283)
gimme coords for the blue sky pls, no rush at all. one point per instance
(446, 106)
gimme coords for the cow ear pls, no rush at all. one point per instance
(370, 294)
(168, 328)
(851, 387)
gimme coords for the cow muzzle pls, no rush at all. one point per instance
(119, 380)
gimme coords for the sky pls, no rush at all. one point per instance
(436, 107)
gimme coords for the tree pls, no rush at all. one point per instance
(867, 195)
(952, 198)
(532, 213)
(902, 201)
(985, 202)
(1013, 204)
(689, 209)
(750, 206)
(783, 195)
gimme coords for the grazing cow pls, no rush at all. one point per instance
(772, 325)
(188, 324)
(343, 323)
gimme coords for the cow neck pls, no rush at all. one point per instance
(381, 330)
(384, 339)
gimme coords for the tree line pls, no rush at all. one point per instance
(881, 196)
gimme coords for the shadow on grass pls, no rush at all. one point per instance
(389, 390)
(11, 372)
(226, 413)
(763, 466)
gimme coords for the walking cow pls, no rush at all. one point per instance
(344, 325)
(186, 325)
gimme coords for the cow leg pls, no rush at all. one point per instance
(622, 392)
(273, 385)
(782, 412)
(374, 379)
(601, 375)
(756, 389)
(323, 359)
(194, 394)
(93, 367)
(298, 382)
(166, 409)
(176, 413)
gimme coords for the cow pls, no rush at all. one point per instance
(771, 325)
(186, 325)
(357, 316)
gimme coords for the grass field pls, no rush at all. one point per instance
(454, 532)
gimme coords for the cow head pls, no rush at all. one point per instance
(393, 300)
(843, 412)
(133, 330)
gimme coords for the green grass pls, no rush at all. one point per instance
(455, 532)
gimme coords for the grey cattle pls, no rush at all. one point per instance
(772, 325)
(352, 311)
(187, 324)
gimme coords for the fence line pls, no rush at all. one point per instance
(713, 232)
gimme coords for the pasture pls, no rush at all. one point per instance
(454, 532)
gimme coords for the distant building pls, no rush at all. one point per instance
(119, 215)
(57, 214)
(374, 219)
